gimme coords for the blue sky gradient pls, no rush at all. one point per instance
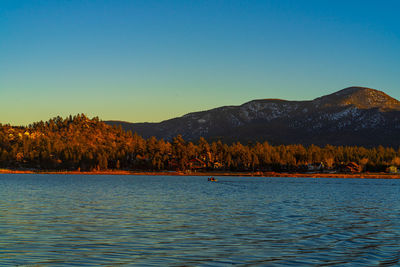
(154, 60)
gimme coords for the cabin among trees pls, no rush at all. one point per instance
(392, 169)
(197, 164)
(80, 143)
(350, 167)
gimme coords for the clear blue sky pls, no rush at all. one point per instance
(154, 60)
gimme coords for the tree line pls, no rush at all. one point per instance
(80, 143)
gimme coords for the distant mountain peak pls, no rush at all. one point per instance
(360, 97)
(352, 90)
(351, 116)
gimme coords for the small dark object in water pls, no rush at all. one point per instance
(212, 179)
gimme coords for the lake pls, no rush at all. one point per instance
(168, 220)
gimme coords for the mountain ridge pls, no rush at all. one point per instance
(351, 116)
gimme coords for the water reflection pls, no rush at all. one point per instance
(95, 220)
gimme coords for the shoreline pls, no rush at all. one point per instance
(380, 175)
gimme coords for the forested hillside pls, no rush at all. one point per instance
(80, 143)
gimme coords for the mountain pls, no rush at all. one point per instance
(352, 116)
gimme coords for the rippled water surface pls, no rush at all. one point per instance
(60, 220)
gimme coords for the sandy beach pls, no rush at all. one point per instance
(366, 175)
